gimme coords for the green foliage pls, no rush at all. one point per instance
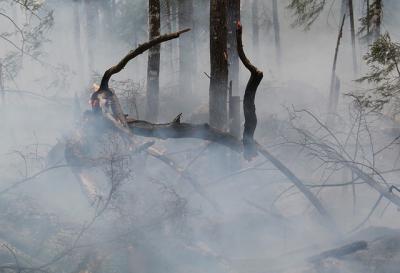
(383, 61)
(306, 11)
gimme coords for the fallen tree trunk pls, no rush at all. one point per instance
(176, 129)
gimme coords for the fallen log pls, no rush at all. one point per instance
(105, 104)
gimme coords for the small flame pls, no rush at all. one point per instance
(95, 87)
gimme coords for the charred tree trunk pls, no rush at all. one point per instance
(175, 43)
(186, 61)
(249, 107)
(353, 36)
(234, 110)
(219, 64)
(153, 65)
(166, 9)
(128, 127)
(275, 18)
(256, 29)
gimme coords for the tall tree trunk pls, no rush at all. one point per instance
(153, 65)
(353, 36)
(167, 14)
(186, 62)
(77, 39)
(174, 43)
(234, 110)
(275, 18)
(256, 29)
(219, 64)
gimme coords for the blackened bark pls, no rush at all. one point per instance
(153, 64)
(106, 94)
(186, 61)
(219, 64)
(176, 129)
(167, 14)
(249, 108)
(234, 111)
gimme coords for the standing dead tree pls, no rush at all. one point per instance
(153, 64)
(107, 110)
(234, 99)
(219, 64)
(249, 107)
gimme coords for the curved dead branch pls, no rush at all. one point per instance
(176, 129)
(249, 108)
(105, 97)
(134, 53)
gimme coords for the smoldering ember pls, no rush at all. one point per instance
(185, 136)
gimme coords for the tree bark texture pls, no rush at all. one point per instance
(186, 46)
(233, 57)
(218, 91)
(153, 63)
(177, 129)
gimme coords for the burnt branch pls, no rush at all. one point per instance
(116, 120)
(134, 53)
(105, 97)
(249, 108)
(177, 129)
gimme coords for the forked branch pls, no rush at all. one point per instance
(177, 129)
